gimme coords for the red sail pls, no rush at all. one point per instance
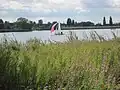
(53, 28)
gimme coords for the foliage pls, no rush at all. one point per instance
(23, 23)
(73, 65)
(110, 21)
(73, 22)
(104, 21)
(1, 24)
(40, 22)
(98, 24)
(1, 21)
(7, 25)
(69, 21)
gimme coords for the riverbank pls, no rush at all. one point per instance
(15, 30)
(63, 28)
(92, 27)
(74, 65)
(85, 27)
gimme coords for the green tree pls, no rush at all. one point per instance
(1, 21)
(98, 24)
(1, 24)
(69, 21)
(110, 21)
(7, 25)
(40, 22)
(49, 23)
(23, 23)
(104, 21)
(88, 23)
(21, 19)
(73, 22)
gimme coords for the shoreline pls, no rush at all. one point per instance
(63, 28)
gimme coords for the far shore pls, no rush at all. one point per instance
(63, 28)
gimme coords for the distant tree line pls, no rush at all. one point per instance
(110, 22)
(23, 23)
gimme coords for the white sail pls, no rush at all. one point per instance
(59, 28)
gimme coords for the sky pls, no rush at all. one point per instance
(60, 10)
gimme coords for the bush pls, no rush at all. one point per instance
(79, 65)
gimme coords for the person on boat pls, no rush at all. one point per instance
(61, 33)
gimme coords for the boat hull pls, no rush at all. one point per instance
(59, 33)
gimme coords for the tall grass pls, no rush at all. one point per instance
(74, 65)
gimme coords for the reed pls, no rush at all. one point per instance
(74, 65)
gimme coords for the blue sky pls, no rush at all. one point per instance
(60, 10)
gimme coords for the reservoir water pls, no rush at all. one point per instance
(46, 35)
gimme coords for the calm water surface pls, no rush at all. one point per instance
(46, 35)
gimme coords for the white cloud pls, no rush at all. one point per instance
(56, 1)
(53, 9)
(42, 5)
(12, 5)
(79, 10)
(114, 3)
(55, 5)
(47, 11)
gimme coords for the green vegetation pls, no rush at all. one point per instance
(73, 65)
(24, 24)
(110, 21)
(104, 21)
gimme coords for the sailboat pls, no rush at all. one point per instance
(57, 31)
